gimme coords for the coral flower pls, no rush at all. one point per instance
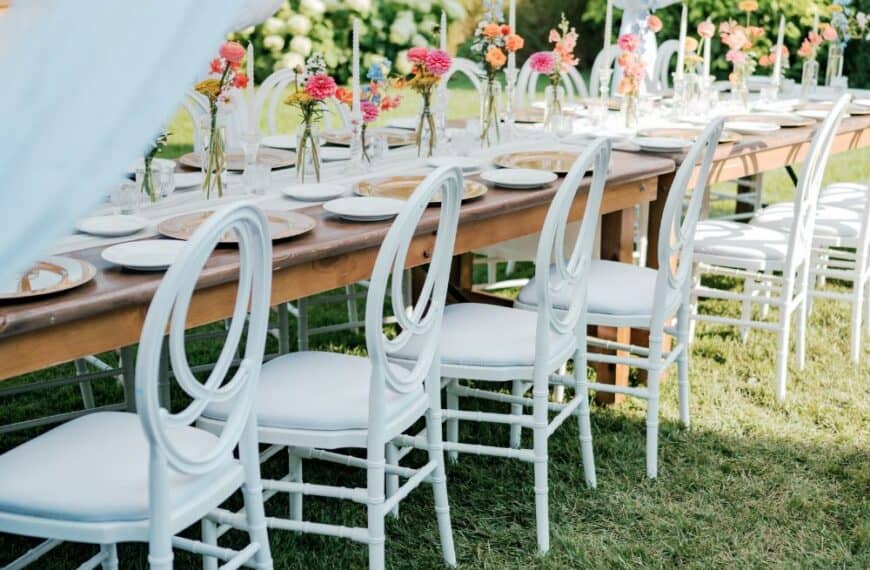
(542, 62)
(735, 56)
(629, 42)
(492, 30)
(829, 33)
(240, 81)
(417, 54)
(320, 87)
(554, 36)
(344, 95)
(691, 43)
(217, 65)
(706, 29)
(748, 6)
(495, 57)
(514, 42)
(233, 52)
(438, 62)
(654, 23)
(506, 30)
(370, 111)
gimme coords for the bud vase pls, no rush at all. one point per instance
(628, 110)
(554, 95)
(308, 151)
(834, 68)
(809, 77)
(212, 155)
(489, 114)
(426, 132)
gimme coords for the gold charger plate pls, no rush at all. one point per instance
(785, 121)
(688, 134)
(394, 138)
(613, 103)
(529, 115)
(558, 161)
(282, 225)
(276, 158)
(51, 275)
(402, 187)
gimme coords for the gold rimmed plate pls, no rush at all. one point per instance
(529, 115)
(558, 161)
(688, 133)
(784, 120)
(395, 138)
(51, 275)
(273, 157)
(282, 225)
(402, 187)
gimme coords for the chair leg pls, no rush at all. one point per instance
(801, 335)
(295, 477)
(510, 267)
(375, 508)
(782, 341)
(652, 423)
(517, 389)
(439, 485)
(392, 479)
(209, 536)
(559, 390)
(693, 305)
(746, 310)
(302, 324)
(86, 389)
(683, 362)
(584, 425)
(110, 556)
(857, 313)
(452, 424)
(540, 393)
(352, 309)
(491, 272)
(252, 494)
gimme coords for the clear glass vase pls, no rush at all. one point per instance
(308, 151)
(809, 77)
(554, 97)
(426, 133)
(490, 133)
(834, 67)
(212, 155)
(739, 88)
(146, 180)
(628, 110)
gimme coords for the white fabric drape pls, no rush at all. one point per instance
(86, 87)
(634, 17)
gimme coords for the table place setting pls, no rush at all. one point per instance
(315, 191)
(519, 178)
(401, 187)
(51, 275)
(112, 225)
(365, 208)
(144, 255)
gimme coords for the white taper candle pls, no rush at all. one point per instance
(252, 109)
(708, 42)
(681, 53)
(443, 30)
(780, 39)
(512, 22)
(608, 25)
(355, 67)
(815, 18)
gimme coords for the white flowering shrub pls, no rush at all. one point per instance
(389, 29)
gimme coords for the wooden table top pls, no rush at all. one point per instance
(114, 288)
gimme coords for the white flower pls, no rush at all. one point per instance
(403, 28)
(419, 40)
(454, 9)
(274, 43)
(301, 45)
(361, 6)
(312, 7)
(299, 25)
(290, 61)
(403, 64)
(273, 26)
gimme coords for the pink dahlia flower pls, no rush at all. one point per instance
(370, 111)
(233, 52)
(542, 62)
(417, 54)
(629, 42)
(438, 62)
(320, 86)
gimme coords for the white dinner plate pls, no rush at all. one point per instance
(315, 192)
(818, 114)
(283, 142)
(112, 226)
(407, 123)
(661, 144)
(157, 162)
(519, 178)
(184, 180)
(861, 101)
(145, 255)
(364, 208)
(465, 163)
(330, 153)
(751, 127)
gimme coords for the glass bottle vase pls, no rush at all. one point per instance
(490, 133)
(809, 77)
(212, 155)
(628, 110)
(834, 67)
(308, 151)
(554, 96)
(426, 133)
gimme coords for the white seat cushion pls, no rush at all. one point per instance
(738, 241)
(845, 194)
(323, 391)
(831, 221)
(475, 334)
(614, 289)
(95, 469)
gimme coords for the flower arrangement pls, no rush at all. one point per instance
(429, 66)
(554, 63)
(218, 88)
(148, 178)
(493, 42)
(632, 65)
(810, 46)
(768, 59)
(740, 41)
(311, 88)
(374, 97)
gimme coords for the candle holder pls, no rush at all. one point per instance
(511, 85)
(356, 164)
(599, 116)
(440, 115)
(680, 95)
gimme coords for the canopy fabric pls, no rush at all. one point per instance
(86, 88)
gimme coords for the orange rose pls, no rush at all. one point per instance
(505, 30)
(495, 57)
(492, 30)
(514, 42)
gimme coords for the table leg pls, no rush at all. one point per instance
(749, 185)
(128, 371)
(617, 240)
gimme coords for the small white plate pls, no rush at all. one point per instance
(465, 163)
(145, 255)
(284, 142)
(519, 178)
(330, 153)
(661, 144)
(863, 102)
(184, 180)
(751, 127)
(818, 114)
(314, 192)
(407, 123)
(157, 162)
(365, 208)
(112, 226)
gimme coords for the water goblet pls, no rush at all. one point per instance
(126, 197)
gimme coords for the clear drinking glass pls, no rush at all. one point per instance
(126, 198)
(165, 179)
(257, 179)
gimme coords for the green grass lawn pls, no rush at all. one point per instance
(752, 483)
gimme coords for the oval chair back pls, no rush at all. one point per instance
(662, 69)
(677, 230)
(466, 67)
(196, 106)
(809, 187)
(423, 319)
(170, 307)
(527, 85)
(570, 271)
(272, 91)
(604, 60)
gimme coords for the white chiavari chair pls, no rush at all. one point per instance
(316, 402)
(113, 477)
(627, 295)
(526, 91)
(498, 345)
(774, 265)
